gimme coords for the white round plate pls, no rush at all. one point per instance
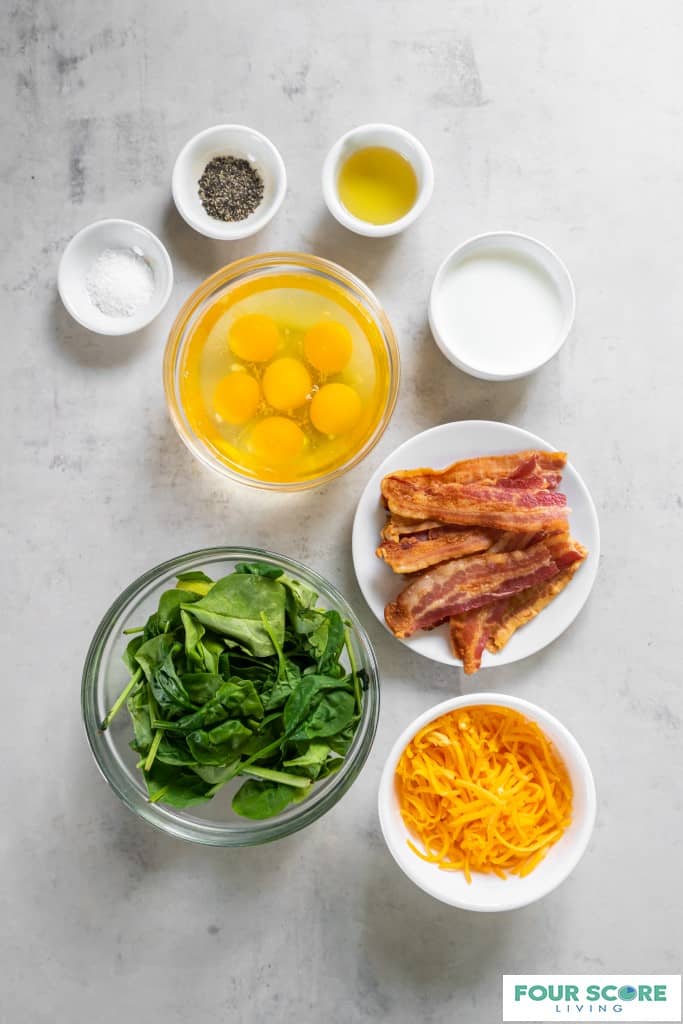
(439, 447)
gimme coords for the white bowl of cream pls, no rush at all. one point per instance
(502, 305)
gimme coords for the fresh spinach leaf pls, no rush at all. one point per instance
(239, 697)
(201, 686)
(332, 713)
(260, 799)
(172, 751)
(332, 765)
(342, 741)
(233, 608)
(288, 673)
(155, 657)
(305, 699)
(219, 745)
(270, 572)
(179, 787)
(282, 690)
(329, 644)
(194, 583)
(138, 708)
(217, 774)
(311, 761)
(194, 631)
(169, 610)
(231, 698)
(132, 647)
(195, 576)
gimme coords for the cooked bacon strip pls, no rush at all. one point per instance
(564, 549)
(525, 606)
(495, 468)
(490, 627)
(397, 527)
(514, 541)
(455, 587)
(503, 508)
(471, 631)
(533, 472)
(429, 547)
(535, 481)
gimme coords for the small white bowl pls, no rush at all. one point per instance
(495, 303)
(377, 135)
(81, 253)
(228, 140)
(489, 893)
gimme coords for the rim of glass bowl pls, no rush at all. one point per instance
(175, 822)
(237, 271)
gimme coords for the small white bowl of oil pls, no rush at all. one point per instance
(502, 305)
(377, 180)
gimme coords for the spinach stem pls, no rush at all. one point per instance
(153, 710)
(354, 670)
(286, 778)
(121, 699)
(214, 789)
(158, 795)
(261, 753)
(159, 723)
(153, 749)
(133, 629)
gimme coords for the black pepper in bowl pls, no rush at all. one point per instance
(230, 188)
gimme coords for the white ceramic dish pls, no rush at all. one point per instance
(439, 447)
(228, 140)
(81, 253)
(501, 305)
(488, 892)
(377, 135)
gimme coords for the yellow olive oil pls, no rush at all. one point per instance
(377, 185)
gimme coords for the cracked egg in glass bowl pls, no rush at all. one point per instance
(281, 371)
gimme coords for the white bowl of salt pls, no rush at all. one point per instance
(115, 277)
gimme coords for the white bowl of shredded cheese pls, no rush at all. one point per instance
(487, 892)
(115, 277)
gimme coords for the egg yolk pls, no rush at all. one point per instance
(327, 346)
(254, 338)
(236, 397)
(335, 409)
(277, 439)
(286, 384)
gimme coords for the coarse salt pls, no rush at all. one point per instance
(120, 282)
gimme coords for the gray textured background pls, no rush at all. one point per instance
(564, 121)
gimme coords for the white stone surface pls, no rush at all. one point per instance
(561, 120)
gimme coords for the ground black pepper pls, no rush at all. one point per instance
(230, 188)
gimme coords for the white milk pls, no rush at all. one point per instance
(499, 311)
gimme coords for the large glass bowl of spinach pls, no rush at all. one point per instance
(230, 696)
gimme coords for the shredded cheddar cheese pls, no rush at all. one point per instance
(483, 790)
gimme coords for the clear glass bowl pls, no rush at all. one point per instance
(239, 272)
(104, 676)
